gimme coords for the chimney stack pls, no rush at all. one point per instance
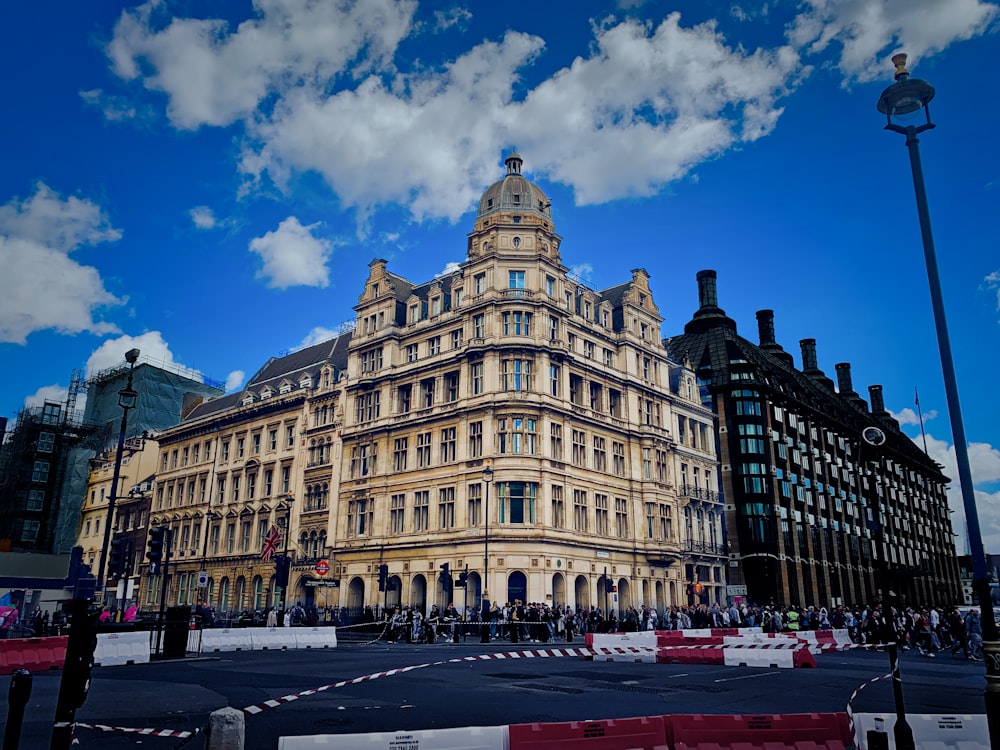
(809, 361)
(709, 315)
(878, 404)
(765, 327)
(844, 382)
(708, 295)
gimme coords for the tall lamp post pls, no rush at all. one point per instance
(906, 96)
(484, 615)
(209, 516)
(286, 562)
(127, 398)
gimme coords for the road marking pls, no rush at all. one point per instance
(749, 676)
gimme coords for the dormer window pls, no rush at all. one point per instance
(489, 203)
(267, 393)
(285, 388)
(517, 198)
(247, 399)
(436, 306)
(305, 382)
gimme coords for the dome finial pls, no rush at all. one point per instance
(513, 162)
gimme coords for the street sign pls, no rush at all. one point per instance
(736, 590)
(322, 567)
(202, 578)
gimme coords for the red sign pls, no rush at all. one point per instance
(322, 567)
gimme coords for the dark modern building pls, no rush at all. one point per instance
(33, 475)
(828, 502)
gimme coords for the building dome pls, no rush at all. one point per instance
(514, 193)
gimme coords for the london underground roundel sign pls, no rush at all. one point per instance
(322, 567)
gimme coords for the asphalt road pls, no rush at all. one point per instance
(179, 695)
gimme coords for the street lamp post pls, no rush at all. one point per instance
(906, 96)
(287, 563)
(127, 398)
(209, 515)
(484, 630)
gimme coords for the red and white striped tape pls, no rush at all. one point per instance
(146, 732)
(850, 711)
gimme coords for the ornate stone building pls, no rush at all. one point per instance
(506, 420)
(237, 465)
(817, 514)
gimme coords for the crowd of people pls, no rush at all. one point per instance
(929, 630)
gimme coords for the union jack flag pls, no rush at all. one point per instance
(271, 541)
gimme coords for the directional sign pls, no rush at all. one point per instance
(322, 567)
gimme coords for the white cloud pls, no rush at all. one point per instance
(984, 462)
(215, 75)
(869, 31)
(646, 106)
(992, 284)
(41, 286)
(909, 416)
(318, 334)
(234, 381)
(445, 19)
(57, 393)
(449, 268)
(293, 256)
(582, 272)
(114, 108)
(152, 348)
(203, 217)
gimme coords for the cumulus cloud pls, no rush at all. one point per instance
(114, 108)
(984, 462)
(991, 284)
(293, 256)
(41, 286)
(445, 19)
(909, 416)
(582, 272)
(234, 380)
(152, 348)
(203, 217)
(647, 104)
(318, 334)
(866, 32)
(215, 75)
(57, 393)
(317, 87)
(449, 268)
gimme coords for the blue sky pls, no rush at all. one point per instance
(209, 180)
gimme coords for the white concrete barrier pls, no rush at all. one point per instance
(633, 654)
(930, 731)
(315, 637)
(225, 639)
(272, 639)
(642, 639)
(461, 738)
(780, 658)
(121, 648)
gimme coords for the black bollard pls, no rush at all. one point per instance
(17, 700)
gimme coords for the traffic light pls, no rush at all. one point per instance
(157, 537)
(463, 579)
(445, 578)
(116, 556)
(283, 564)
(608, 585)
(383, 576)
